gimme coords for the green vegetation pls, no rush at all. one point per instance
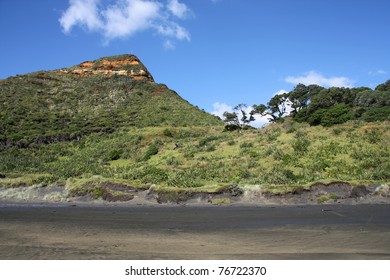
(325, 198)
(219, 201)
(47, 106)
(319, 106)
(97, 135)
(357, 152)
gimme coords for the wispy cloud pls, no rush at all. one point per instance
(125, 18)
(220, 108)
(279, 92)
(377, 72)
(178, 9)
(169, 45)
(314, 77)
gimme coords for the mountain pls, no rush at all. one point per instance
(94, 96)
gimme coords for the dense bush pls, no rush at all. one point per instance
(151, 151)
(115, 154)
(327, 107)
(339, 113)
(376, 114)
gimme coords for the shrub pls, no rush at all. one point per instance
(172, 161)
(300, 134)
(373, 136)
(325, 198)
(154, 175)
(245, 145)
(207, 140)
(211, 148)
(184, 179)
(274, 134)
(278, 154)
(301, 146)
(337, 131)
(167, 133)
(244, 174)
(219, 201)
(231, 142)
(279, 176)
(151, 151)
(97, 191)
(115, 154)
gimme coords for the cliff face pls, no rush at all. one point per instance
(124, 65)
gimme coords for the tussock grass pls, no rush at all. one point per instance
(277, 157)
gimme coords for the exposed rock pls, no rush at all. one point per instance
(341, 189)
(125, 65)
(359, 191)
(235, 190)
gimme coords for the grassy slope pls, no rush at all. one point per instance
(87, 130)
(47, 107)
(277, 157)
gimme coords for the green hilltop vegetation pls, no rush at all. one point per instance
(53, 106)
(82, 129)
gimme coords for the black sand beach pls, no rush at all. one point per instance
(178, 232)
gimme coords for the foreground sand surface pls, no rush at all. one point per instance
(177, 232)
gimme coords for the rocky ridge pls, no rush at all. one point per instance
(124, 65)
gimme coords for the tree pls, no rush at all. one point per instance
(232, 120)
(245, 119)
(276, 108)
(384, 87)
(372, 98)
(300, 96)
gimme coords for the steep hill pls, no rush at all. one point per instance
(94, 96)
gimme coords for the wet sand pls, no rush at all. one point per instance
(211, 232)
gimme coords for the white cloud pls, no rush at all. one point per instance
(279, 92)
(178, 9)
(168, 45)
(314, 77)
(220, 108)
(173, 30)
(124, 18)
(377, 72)
(84, 13)
(260, 121)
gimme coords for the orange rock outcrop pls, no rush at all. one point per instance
(109, 68)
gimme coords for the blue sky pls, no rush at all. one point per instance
(214, 53)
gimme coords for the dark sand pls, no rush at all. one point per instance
(211, 232)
